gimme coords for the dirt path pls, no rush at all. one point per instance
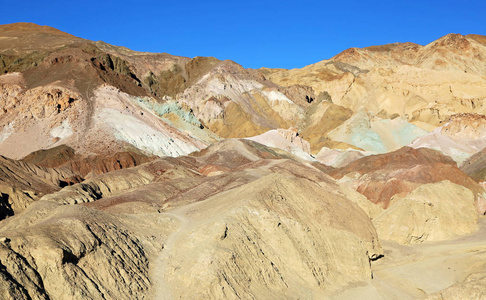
(162, 290)
(412, 272)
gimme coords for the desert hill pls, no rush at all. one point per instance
(258, 185)
(134, 175)
(424, 84)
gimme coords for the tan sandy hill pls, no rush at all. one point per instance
(255, 210)
(470, 288)
(425, 84)
(434, 248)
(214, 228)
(452, 269)
(432, 212)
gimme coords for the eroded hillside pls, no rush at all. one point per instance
(135, 175)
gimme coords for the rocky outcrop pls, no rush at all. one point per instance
(42, 102)
(285, 139)
(461, 137)
(321, 118)
(57, 251)
(22, 183)
(465, 126)
(292, 135)
(302, 95)
(65, 157)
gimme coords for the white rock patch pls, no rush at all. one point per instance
(274, 139)
(6, 132)
(62, 131)
(276, 96)
(143, 136)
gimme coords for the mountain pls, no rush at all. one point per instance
(424, 84)
(186, 104)
(134, 175)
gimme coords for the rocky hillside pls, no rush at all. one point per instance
(83, 90)
(260, 206)
(425, 84)
(134, 175)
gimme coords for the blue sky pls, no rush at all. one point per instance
(276, 34)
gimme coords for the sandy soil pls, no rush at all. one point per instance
(188, 217)
(411, 272)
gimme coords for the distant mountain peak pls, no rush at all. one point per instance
(25, 26)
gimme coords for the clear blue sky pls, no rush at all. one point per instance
(276, 34)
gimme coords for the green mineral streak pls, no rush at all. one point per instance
(407, 133)
(368, 140)
(171, 106)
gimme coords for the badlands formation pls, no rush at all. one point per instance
(133, 175)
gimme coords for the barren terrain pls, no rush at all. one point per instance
(135, 175)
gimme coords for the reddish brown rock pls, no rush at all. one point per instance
(379, 177)
(64, 156)
(23, 183)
